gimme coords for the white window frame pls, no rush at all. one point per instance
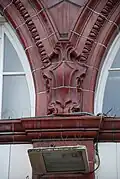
(7, 29)
(99, 94)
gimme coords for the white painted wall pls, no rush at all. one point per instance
(109, 161)
(14, 162)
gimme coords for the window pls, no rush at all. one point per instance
(17, 99)
(108, 99)
(16, 83)
(107, 94)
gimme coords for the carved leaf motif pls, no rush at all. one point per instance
(63, 80)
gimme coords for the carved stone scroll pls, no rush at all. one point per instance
(64, 79)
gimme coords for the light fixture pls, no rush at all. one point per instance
(62, 159)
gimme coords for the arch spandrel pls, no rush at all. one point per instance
(40, 34)
(35, 40)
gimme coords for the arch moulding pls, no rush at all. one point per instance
(65, 54)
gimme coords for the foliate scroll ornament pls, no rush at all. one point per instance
(64, 80)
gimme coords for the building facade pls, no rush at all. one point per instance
(59, 72)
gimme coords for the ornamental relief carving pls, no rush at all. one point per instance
(64, 80)
(64, 70)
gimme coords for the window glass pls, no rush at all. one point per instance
(11, 60)
(116, 62)
(16, 100)
(16, 83)
(111, 99)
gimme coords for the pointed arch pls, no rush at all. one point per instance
(37, 38)
(93, 42)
